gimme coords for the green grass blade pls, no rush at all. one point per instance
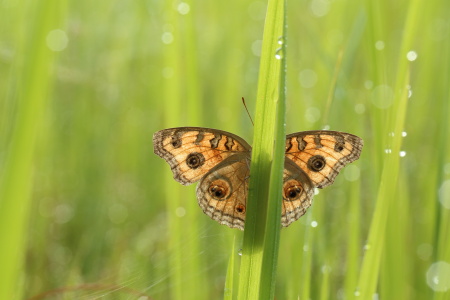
(390, 172)
(35, 61)
(229, 281)
(261, 235)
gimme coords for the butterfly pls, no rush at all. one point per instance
(221, 162)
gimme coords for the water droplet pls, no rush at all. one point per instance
(388, 151)
(391, 134)
(352, 173)
(366, 247)
(314, 224)
(256, 47)
(183, 8)
(410, 93)
(320, 7)
(305, 248)
(307, 78)
(57, 40)
(280, 40)
(438, 276)
(279, 53)
(360, 108)
(368, 84)
(63, 213)
(357, 293)
(402, 153)
(375, 296)
(379, 45)
(326, 127)
(326, 269)
(240, 252)
(167, 37)
(312, 114)
(180, 211)
(411, 55)
(404, 133)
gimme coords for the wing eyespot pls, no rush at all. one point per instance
(316, 163)
(292, 190)
(219, 190)
(195, 160)
(240, 208)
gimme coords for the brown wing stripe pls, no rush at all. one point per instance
(200, 137)
(215, 141)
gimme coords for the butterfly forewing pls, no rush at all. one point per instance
(192, 151)
(322, 154)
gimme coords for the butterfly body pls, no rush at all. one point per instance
(221, 162)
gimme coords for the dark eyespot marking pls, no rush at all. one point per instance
(195, 160)
(316, 163)
(339, 147)
(176, 140)
(292, 190)
(340, 143)
(240, 208)
(219, 190)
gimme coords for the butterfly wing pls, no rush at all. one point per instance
(298, 192)
(222, 193)
(322, 154)
(192, 151)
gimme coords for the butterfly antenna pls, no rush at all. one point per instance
(243, 102)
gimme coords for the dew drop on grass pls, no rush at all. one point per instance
(279, 53)
(240, 252)
(183, 8)
(366, 247)
(314, 224)
(411, 55)
(180, 212)
(57, 40)
(379, 45)
(438, 276)
(402, 153)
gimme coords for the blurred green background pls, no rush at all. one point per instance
(90, 212)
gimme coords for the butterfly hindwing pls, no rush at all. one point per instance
(222, 193)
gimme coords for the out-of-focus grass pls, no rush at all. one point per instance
(106, 220)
